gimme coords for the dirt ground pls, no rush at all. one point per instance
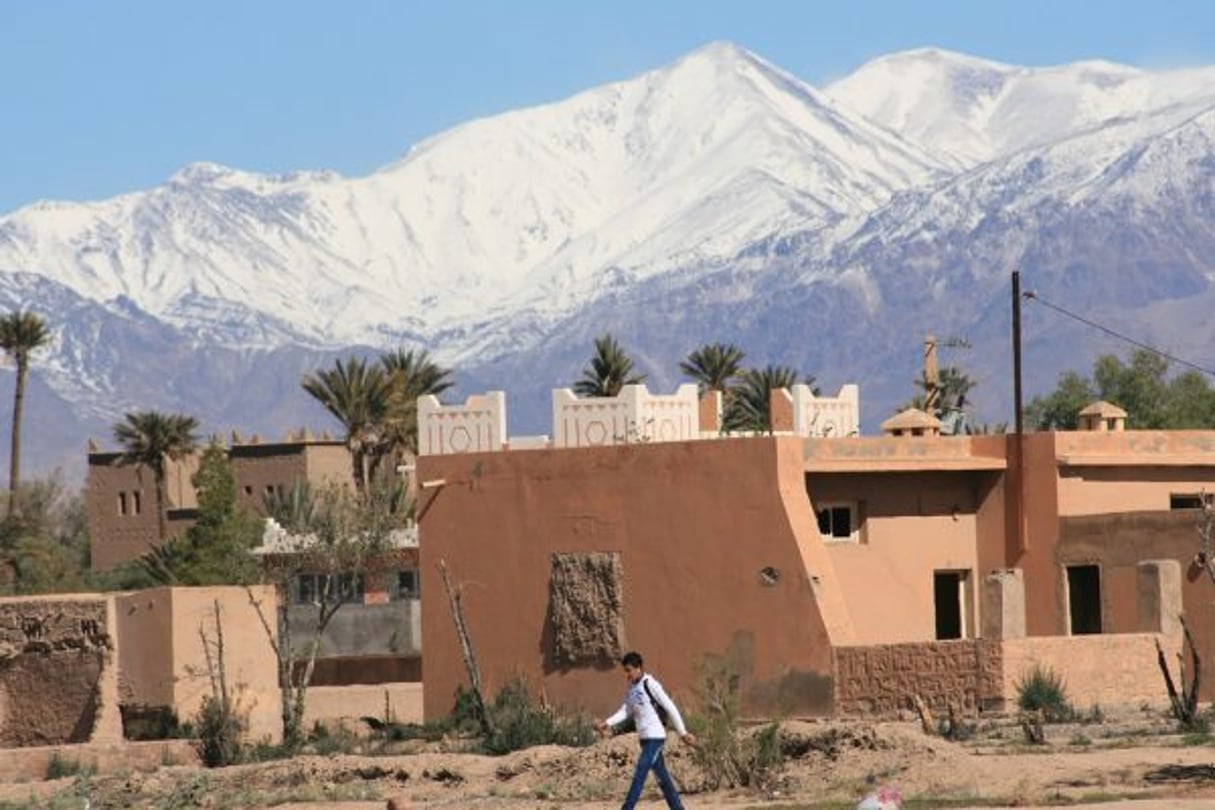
(1117, 762)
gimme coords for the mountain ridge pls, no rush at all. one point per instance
(717, 196)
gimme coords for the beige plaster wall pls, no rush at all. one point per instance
(914, 524)
(1104, 490)
(1106, 670)
(248, 657)
(162, 662)
(145, 651)
(695, 524)
(345, 705)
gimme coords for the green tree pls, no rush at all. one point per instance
(753, 397)
(357, 395)
(21, 332)
(609, 370)
(410, 375)
(332, 534)
(45, 549)
(218, 545)
(714, 366)
(147, 439)
(1059, 410)
(1141, 387)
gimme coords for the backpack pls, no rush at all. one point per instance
(663, 715)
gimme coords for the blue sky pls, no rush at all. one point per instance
(100, 98)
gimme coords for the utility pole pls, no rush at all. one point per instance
(1016, 346)
(1018, 544)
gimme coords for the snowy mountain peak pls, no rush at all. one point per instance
(715, 197)
(970, 110)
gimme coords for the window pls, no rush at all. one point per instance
(1084, 599)
(312, 588)
(839, 522)
(136, 503)
(1189, 500)
(248, 490)
(408, 585)
(122, 503)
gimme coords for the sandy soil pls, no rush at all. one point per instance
(829, 764)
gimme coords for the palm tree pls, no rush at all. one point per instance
(150, 437)
(21, 332)
(609, 371)
(357, 395)
(752, 400)
(713, 366)
(410, 375)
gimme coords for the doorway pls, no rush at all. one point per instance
(949, 601)
(1084, 599)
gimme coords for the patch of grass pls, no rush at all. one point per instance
(61, 766)
(1042, 689)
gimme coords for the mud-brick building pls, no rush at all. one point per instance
(835, 573)
(374, 638)
(121, 498)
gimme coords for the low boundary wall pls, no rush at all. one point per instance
(978, 674)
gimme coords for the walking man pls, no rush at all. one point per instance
(649, 707)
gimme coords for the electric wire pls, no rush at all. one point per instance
(1033, 296)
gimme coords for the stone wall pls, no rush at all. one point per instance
(881, 679)
(53, 658)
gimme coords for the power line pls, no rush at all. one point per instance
(1033, 296)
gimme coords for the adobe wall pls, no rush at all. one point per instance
(882, 679)
(113, 537)
(707, 548)
(248, 654)
(56, 671)
(162, 662)
(1105, 670)
(1118, 544)
(913, 525)
(347, 705)
(1097, 490)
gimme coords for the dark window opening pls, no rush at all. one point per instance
(408, 585)
(328, 588)
(947, 598)
(1188, 500)
(835, 521)
(1084, 599)
(136, 503)
(122, 503)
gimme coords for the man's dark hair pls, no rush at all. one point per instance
(631, 659)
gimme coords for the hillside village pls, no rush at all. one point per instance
(828, 574)
(369, 489)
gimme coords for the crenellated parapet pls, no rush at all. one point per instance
(634, 416)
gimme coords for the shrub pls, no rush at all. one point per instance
(60, 767)
(728, 755)
(221, 732)
(1042, 690)
(519, 723)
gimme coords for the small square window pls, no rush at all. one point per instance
(839, 522)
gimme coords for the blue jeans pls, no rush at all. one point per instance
(651, 759)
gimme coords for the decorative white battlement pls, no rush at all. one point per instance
(634, 415)
(824, 417)
(477, 426)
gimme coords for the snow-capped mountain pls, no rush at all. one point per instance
(717, 198)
